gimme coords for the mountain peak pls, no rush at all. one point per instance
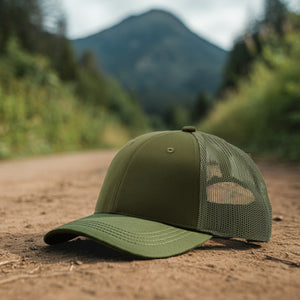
(158, 57)
(156, 12)
(153, 17)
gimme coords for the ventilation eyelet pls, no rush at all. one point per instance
(170, 150)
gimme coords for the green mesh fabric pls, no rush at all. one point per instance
(233, 199)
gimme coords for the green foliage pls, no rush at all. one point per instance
(176, 117)
(40, 114)
(263, 115)
(275, 15)
(240, 59)
(20, 18)
(17, 64)
(249, 47)
(47, 101)
(91, 86)
(202, 105)
(24, 19)
(94, 89)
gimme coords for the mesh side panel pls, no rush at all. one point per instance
(233, 200)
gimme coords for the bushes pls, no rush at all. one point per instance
(48, 101)
(40, 114)
(263, 115)
(38, 120)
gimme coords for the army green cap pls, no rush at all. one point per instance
(168, 192)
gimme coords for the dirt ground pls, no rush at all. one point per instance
(41, 193)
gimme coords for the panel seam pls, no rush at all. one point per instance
(197, 187)
(202, 187)
(116, 201)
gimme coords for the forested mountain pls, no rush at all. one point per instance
(156, 56)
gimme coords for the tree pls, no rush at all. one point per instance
(201, 107)
(248, 48)
(176, 116)
(275, 14)
(24, 19)
(21, 18)
(88, 62)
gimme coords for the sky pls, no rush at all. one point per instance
(218, 21)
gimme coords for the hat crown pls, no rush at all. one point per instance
(155, 176)
(188, 179)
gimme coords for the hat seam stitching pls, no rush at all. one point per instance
(114, 234)
(117, 188)
(202, 187)
(105, 227)
(172, 228)
(197, 187)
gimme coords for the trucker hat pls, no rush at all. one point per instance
(167, 192)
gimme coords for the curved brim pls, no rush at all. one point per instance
(136, 236)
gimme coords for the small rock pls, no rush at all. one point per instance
(277, 218)
(33, 248)
(88, 291)
(78, 262)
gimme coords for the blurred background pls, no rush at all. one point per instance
(84, 74)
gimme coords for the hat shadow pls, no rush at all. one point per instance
(84, 250)
(218, 243)
(87, 251)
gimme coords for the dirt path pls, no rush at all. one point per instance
(38, 194)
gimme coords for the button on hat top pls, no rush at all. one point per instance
(188, 129)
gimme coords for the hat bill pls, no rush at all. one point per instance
(136, 236)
